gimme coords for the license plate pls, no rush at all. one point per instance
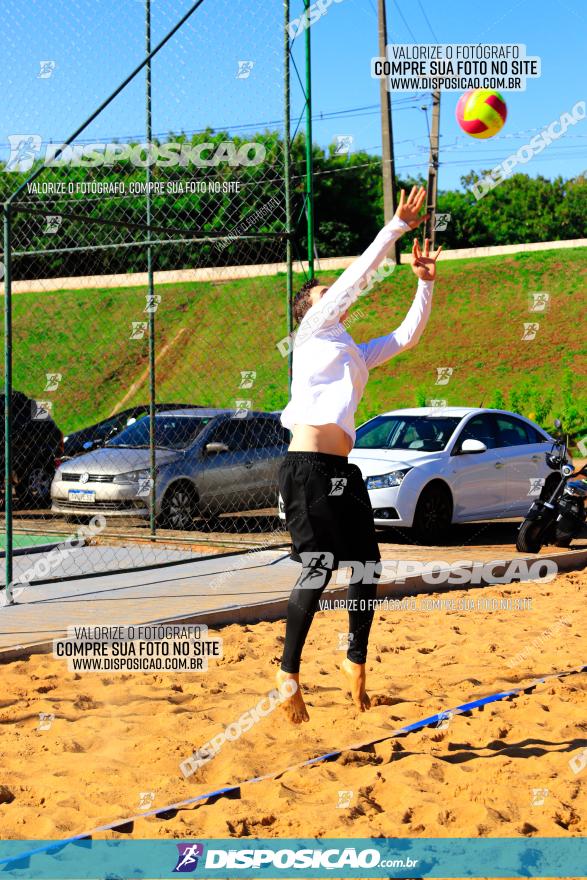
(83, 495)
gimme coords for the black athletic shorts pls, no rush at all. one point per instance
(327, 507)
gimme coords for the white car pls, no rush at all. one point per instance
(429, 467)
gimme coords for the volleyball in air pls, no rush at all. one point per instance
(481, 113)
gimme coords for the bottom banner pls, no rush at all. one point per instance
(303, 858)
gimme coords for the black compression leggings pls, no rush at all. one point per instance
(303, 603)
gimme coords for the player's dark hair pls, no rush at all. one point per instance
(302, 302)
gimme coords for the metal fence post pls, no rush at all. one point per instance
(287, 184)
(8, 400)
(151, 288)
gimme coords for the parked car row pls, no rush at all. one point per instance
(424, 468)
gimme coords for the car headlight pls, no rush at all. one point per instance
(132, 476)
(387, 481)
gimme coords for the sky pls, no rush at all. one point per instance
(94, 44)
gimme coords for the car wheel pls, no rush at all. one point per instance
(179, 507)
(433, 515)
(35, 488)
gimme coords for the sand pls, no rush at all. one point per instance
(116, 741)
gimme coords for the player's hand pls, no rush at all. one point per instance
(424, 263)
(409, 208)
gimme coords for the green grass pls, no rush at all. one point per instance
(225, 327)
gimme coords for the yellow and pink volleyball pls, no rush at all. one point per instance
(481, 113)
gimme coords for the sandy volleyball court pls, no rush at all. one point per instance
(114, 746)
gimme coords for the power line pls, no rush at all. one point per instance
(404, 21)
(428, 22)
(406, 103)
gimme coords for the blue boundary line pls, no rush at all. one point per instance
(431, 721)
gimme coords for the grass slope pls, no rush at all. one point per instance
(476, 328)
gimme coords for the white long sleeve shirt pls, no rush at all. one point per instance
(330, 370)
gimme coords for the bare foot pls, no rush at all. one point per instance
(356, 677)
(288, 685)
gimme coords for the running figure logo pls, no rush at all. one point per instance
(316, 566)
(338, 485)
(187, 860)
(24, 149)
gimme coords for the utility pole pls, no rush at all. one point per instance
(309, 155)
(433, 169)
(387, 157)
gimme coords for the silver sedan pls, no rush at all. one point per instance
(208, 461)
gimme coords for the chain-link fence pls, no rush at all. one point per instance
(148, 281)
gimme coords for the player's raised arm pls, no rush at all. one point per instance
(379, 350)
(340, 295)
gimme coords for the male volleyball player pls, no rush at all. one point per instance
(327, 507)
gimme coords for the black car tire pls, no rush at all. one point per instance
(179, 507)
(433, 516)
(34, 490)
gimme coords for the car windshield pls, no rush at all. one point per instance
(419, 433)
(171, 432)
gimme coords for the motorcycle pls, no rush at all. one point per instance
(558, 517)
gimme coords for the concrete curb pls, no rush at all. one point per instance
(276, 609)
(232, 273)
